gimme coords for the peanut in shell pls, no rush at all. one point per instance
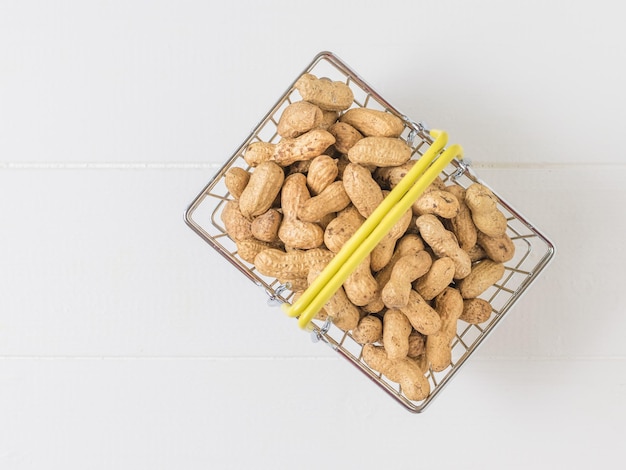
(363, 191)
(321, 171)
(484, 274)
(297, 118)
(483, 205)
(345, 136)
(438, 277)
(327, 94)
(264, 185)
(236, 179)
(307, 146)
(476, 311)
(380, 152)
(373, 122)
(499, 248)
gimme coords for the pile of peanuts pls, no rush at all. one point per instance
(303, 197)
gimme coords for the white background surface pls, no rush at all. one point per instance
(127, 343)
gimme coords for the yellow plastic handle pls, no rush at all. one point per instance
(374, 229)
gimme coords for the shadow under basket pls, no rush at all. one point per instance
(533, 250)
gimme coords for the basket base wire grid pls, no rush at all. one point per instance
(533, 250)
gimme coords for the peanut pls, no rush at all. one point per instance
(421, 315)
(259, 152)
(380, 151)
(360, 286)
(327, 94)
(261, 191)
(321, 172)
(438, 202)
(449, 305)
(484, 274)
(483, 205)
(248, 248)
(345, 136)
(296, 264)
(363, 191)
(307, 146)
(372, 122)
(298, 118)
(236, 179)
(444, 244)
(438, 277)
(396, 331)
(388, 177)
(476, 311)
(369, 330)
(407, 269)
(237, 226)
(332, 199)
(462, 224)
(417, 344)
(408, 244)
(265, 226)
(341, 228)
(293, 232)
(500, 249)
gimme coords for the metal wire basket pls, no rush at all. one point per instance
(533, 250)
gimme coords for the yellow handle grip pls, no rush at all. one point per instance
(373, 230)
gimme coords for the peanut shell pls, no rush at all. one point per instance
(258, 152)
(369, 330)
(444, 243)
(307, 146)
(484, 274)
(462, 224)
(485, 213)
(321, 172)
(236, 179)
(297, 118)
(500, 248)
(265, 226)
(261, 191)
(373, 122)
(476, 311)
(438, 202)
(328, 95)
(380, 152)
(363, 191)
(440, 275)
(421, 315)
(332, 199)
(237, 226)
(345, 136)
(396, 331)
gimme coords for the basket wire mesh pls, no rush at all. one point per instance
(533, 250)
